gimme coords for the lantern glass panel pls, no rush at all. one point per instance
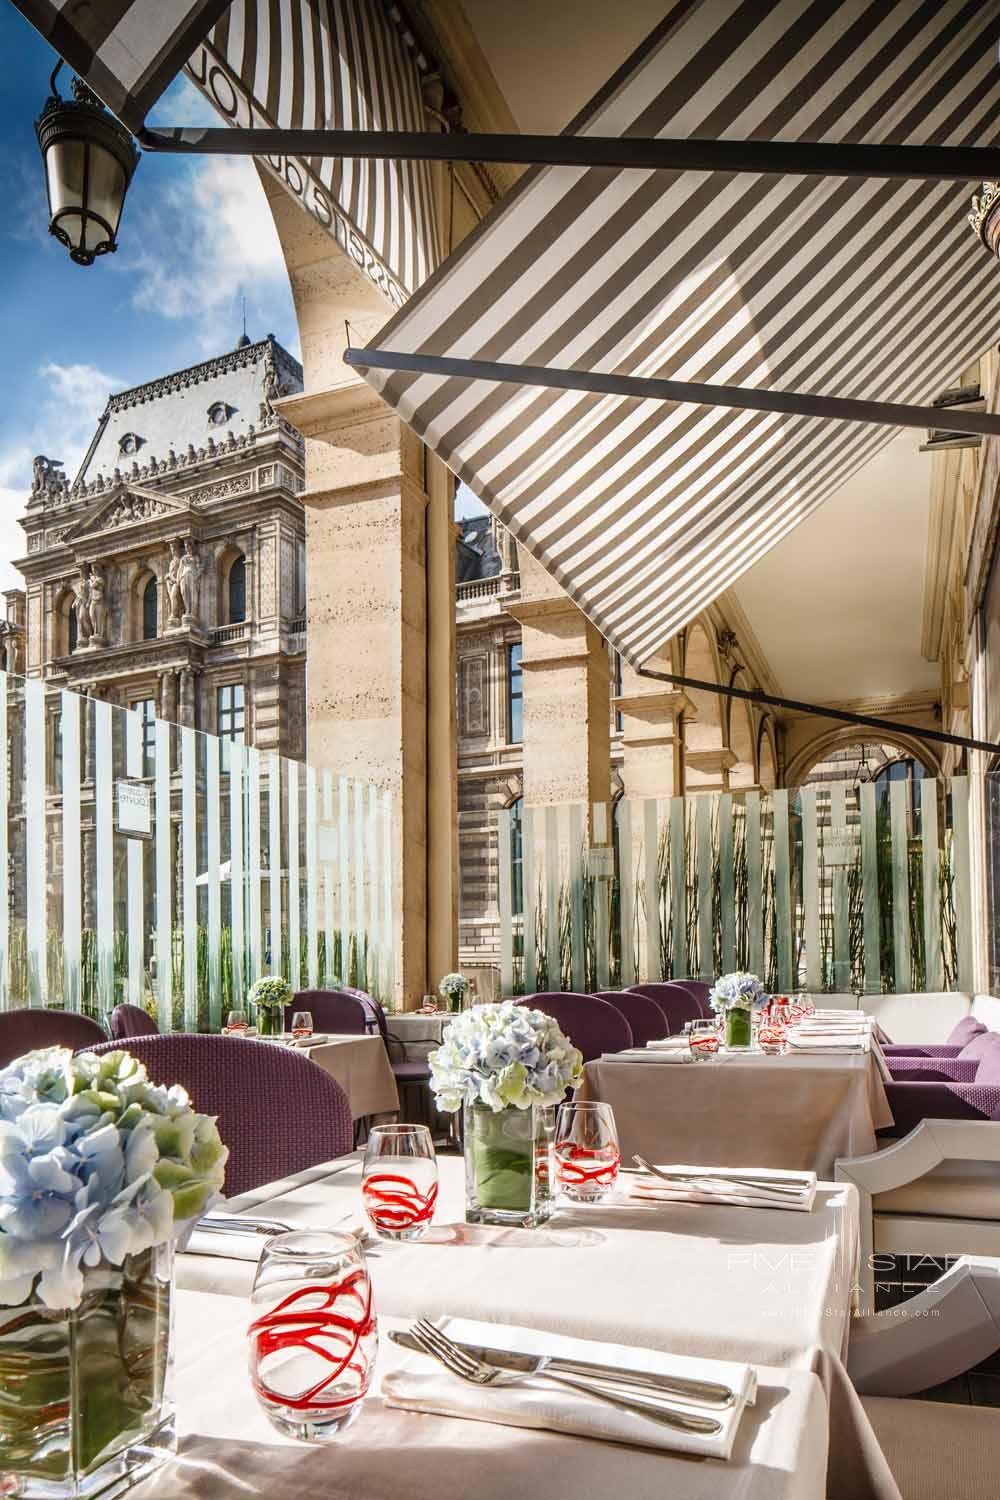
(64, 164)
(106, 189)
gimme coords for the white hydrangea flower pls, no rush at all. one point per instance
(503, 1056)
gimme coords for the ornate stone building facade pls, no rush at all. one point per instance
(168, 575)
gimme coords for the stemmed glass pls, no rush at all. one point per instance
(314, 1337)
(399, 1181)
(586, 1151)
(236, 1023)
(302, 1024)
(704, 1038)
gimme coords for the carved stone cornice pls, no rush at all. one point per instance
(209, 369)
(322, 414)
(655, 707)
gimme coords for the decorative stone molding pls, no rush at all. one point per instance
(210, 369)
(239, 484)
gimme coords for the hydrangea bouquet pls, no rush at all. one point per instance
(505, 1067)
(453, 987)
(270, 994)
(736, 997)
(101, 1172)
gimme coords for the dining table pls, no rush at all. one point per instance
(800, 1111)
(361, 1066)
(763, 1285)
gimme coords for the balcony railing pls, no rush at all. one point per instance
(486, 588)
(225, 635)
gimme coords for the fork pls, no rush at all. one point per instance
(477, 1372)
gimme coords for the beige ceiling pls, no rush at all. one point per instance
(837, 606)
(550, 57)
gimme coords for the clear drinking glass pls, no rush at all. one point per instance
(399, 1181)
(236, 1023)
(429, 1005)
(314, 1336)
(704, 1038)
(302, 1023)
(586, 1151)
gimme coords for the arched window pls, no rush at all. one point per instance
(149, 610)
(71, 628)
(516, 859)
(237, 591)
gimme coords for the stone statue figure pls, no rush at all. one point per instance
(175, 597)
(46, 475)
(188, 572)
(81, 601)
(98, 603)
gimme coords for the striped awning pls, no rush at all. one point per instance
(128, 51)
(645, 512)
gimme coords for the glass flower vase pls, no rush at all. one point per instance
(738, 1030)
(269, 1021)
(506, 1164)
(85, 1402)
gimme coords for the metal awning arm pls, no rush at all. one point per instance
(866, 721)
(787, 158)
(791, 403)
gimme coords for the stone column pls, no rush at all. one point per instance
(567, 706)
(186, 698)
(367, 683)
(652, 733)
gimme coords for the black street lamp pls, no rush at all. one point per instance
(89, 162)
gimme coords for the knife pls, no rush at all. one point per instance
(707, 1392)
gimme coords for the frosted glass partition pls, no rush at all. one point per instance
(840, 887)
(152, 863)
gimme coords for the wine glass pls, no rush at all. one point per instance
(586, 1151)
(399, 1181)
(314, 1336)
(302, 1024)
(704, 1038)
(236, 1023)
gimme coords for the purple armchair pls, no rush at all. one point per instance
(592, 1024)
(131, 1020)
(409, 1075)
(933, 1069)
(645, 1017)
(25, 1030)
(676, 1001)
(331, 1010)
(277, 1111)
(964, 1032)
(700, 989)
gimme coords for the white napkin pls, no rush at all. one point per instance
(646, 1188)
(316, 1040)
(420, 1384)
(826, 1041)
(650, 1055)
(664, 1044)
(231, 1245)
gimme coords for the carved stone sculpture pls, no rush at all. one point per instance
(98, 605)
(175, 597)
(188, 574)
(47, 477)
(81, 602)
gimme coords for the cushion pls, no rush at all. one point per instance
(963, 1032)
(919, 1018)
(953, 1190)
(935, 1448)
(988, 1070)
(979, 1044)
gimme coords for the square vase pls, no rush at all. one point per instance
(85, 1399)
(507, 1164)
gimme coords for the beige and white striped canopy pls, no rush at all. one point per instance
(646, 512)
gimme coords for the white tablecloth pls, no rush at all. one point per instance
(745, 1109)
(229, 1451)
(361, 1066)
(761, 1285)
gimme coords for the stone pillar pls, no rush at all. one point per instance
(652, 732)
(186, 698)
(567, 706)
(367, 683)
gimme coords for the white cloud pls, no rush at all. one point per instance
(209, 241)
(70, 401)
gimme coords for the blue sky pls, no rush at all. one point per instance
(196, 237)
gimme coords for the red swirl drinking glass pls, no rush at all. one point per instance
(302, 1024)
(399, 1181)
(314, 1337)
(586, 1151)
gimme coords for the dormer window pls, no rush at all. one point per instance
(130, 443)
(219, 413)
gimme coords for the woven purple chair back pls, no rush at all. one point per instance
(592, 1024)
(331, 1010)
(131, 1020)
(700, 990)
(677, 1003)
(645, 1017)
(24, 1030)
(277, 1111)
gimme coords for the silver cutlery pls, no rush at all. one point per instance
(221, 1224)
(701, 1392)
(438, 1346)
(750, 1186)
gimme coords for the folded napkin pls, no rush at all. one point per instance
(316, 1040)
(664, 1044)
(644, 1187)
(651, 1055)
(420, 1384)
(231, 1244)
(826, 1041)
